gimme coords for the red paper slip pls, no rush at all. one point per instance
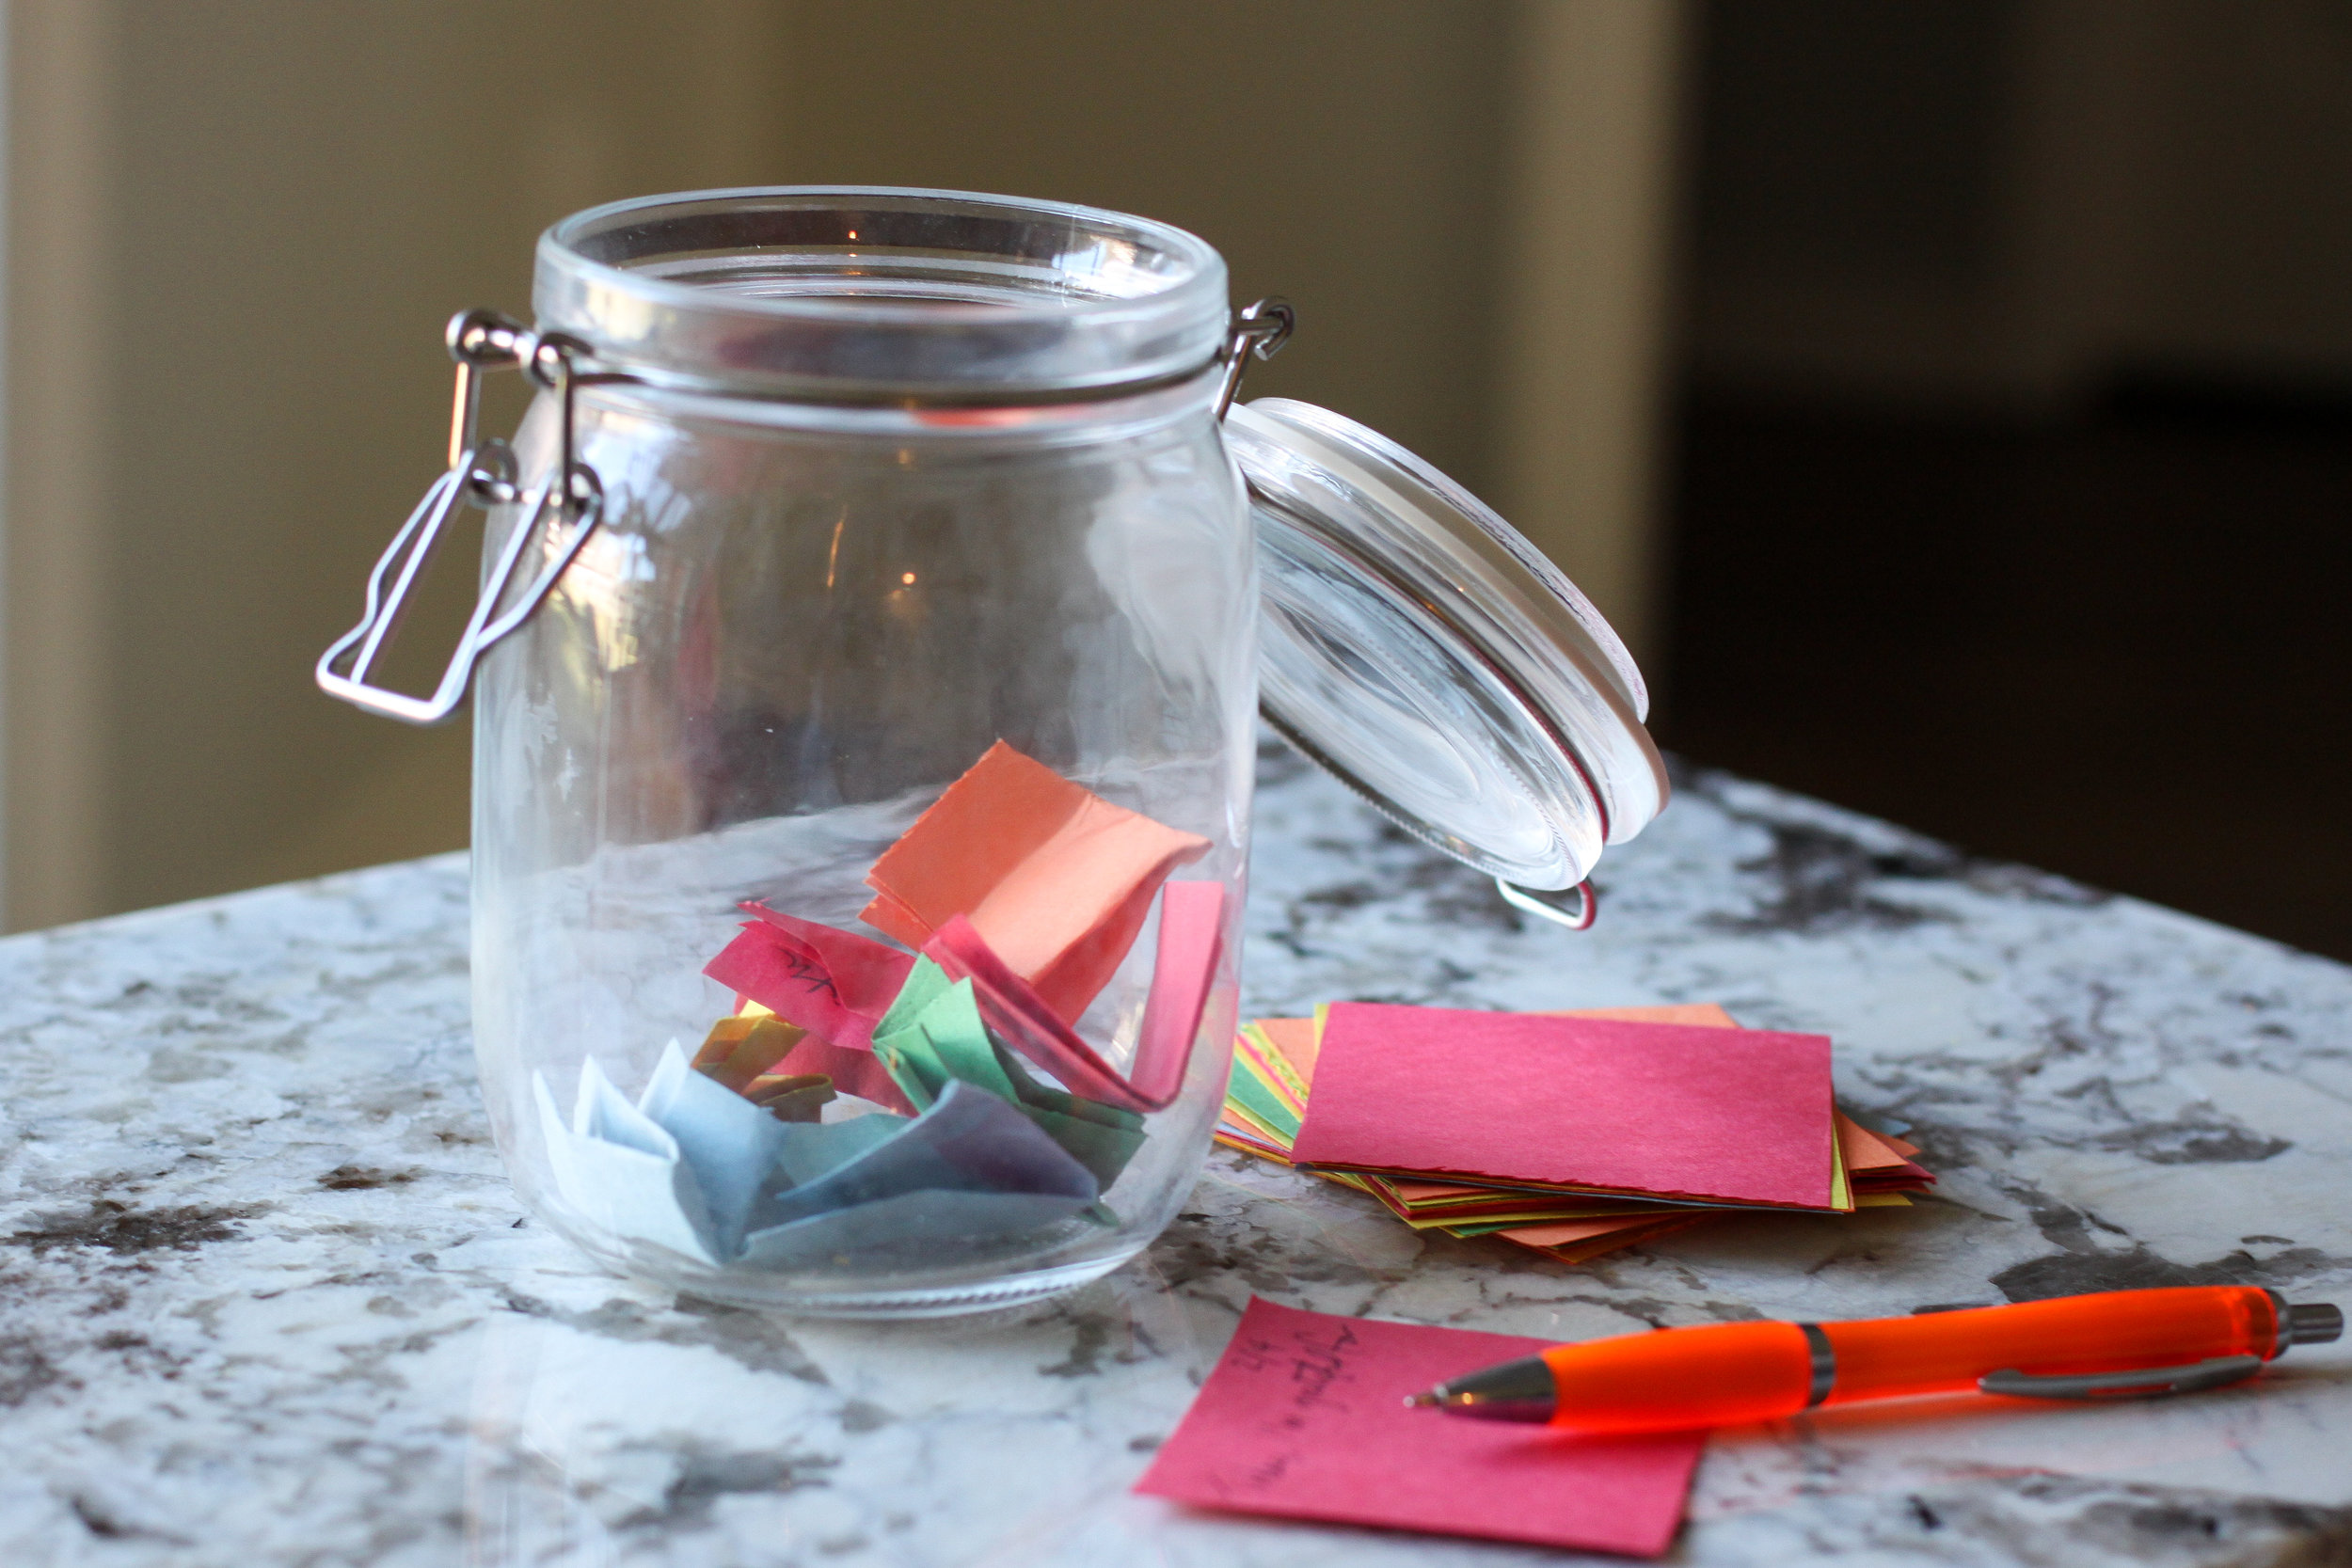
(1305, 1418)
(1737, 1116)
(1190, 914)
(833, 983)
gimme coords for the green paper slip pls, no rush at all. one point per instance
(1260, 1102)
(909, 1059)
(1028, 1091)
(951, 1026)
(925, 984)
(1103, 1150)
(925, 1046)
(1101, 1137)
(933, 1034)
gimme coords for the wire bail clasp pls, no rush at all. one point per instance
(1543, 906)
(482, 472)
(1258, 330)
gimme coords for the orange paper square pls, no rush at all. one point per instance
(1057, 880)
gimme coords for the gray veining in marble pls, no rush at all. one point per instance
(264, 1296)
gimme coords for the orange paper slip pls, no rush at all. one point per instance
(1057, 880)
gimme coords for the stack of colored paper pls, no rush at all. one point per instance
(1573, 1134)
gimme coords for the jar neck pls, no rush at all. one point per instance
(1028, 423)
(882, 297)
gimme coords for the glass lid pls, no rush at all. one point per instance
(1416, 645)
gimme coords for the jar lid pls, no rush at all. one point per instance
(1416, 645)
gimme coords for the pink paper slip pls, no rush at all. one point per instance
(856, 1071)
(833, 983)
(1294, 1038)
(1182, 968)
(1189, 944)
(1057, 880)
(1732, 1115)
(1305, 1418)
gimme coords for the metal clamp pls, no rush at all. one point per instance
(2141, 1383)
(482, 472)
(1539, 905)
(1259, 330)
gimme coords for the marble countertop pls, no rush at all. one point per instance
(266, 1297)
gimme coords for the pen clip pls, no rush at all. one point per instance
(2138, 1383)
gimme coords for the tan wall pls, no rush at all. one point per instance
(1582, 347)
(236, 227)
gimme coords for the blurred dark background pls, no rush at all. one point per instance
(1949, 398)
(2013, 451)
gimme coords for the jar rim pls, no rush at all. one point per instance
(882, 293)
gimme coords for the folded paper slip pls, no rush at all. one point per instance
(1304, 1417)
(1597, 1106)
(831, 986)
(1184, 974)
(833, 983)
(933, 1036)
(745, 1053)
(1056, 879)
(969, 1144)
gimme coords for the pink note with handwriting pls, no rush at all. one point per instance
(833, 983)
(1305, 1418)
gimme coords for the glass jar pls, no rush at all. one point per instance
(869, 658)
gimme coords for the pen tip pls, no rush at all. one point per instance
(1422, 1402)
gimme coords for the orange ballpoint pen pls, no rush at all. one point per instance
(2118, 1345)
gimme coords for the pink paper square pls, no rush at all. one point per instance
(833, 983)
(1304, 1417)
(1738, 1115)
